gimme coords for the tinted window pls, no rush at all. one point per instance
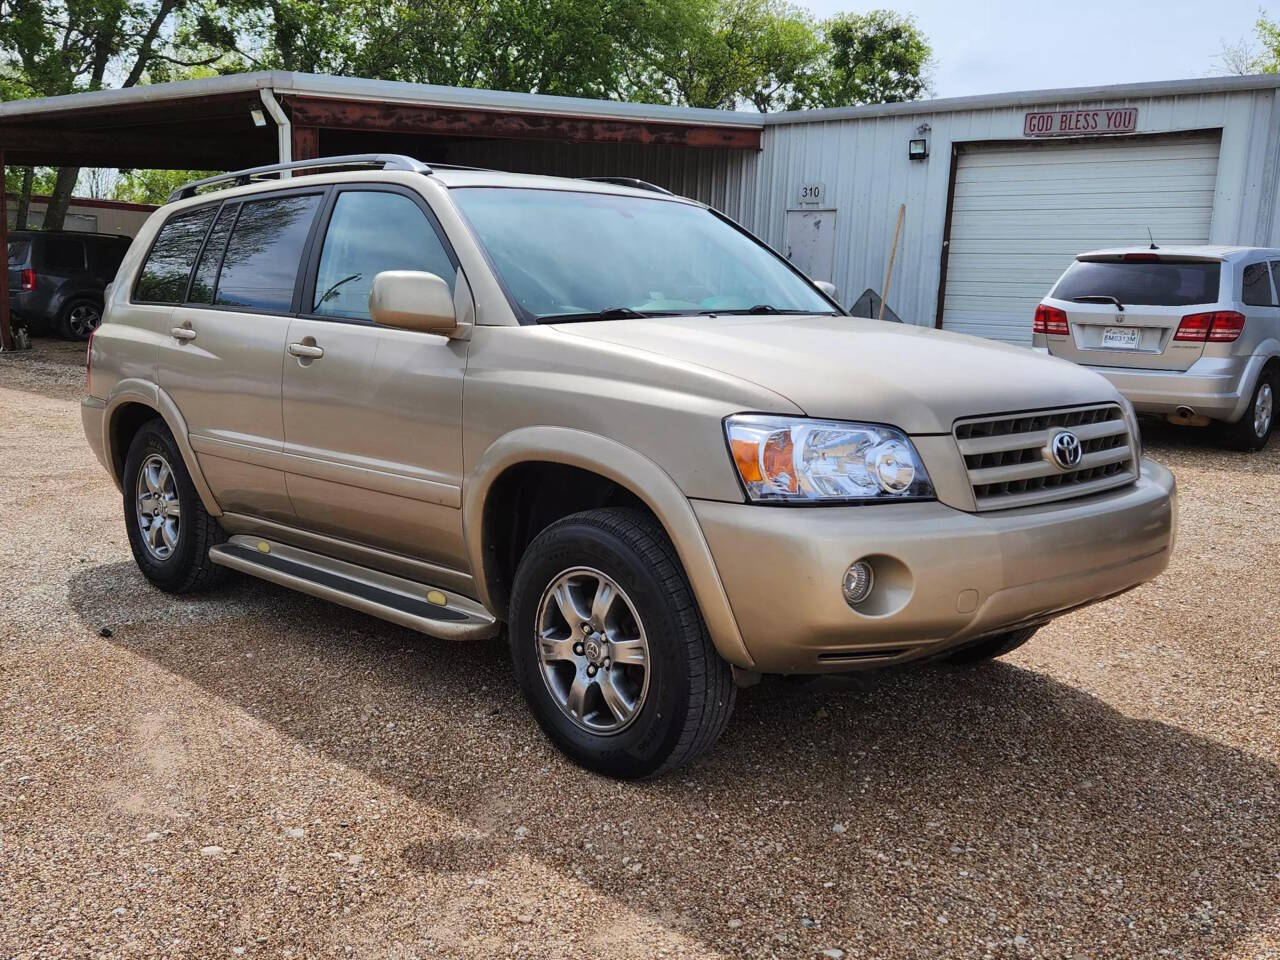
(1256, 286)
(168, 268)
(370, 232)
(261, 262)
(1164, 284)
(18, 250)
(63, 253)
(106, 257)
(563, 253)
(206, 277)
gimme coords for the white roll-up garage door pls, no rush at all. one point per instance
(1021, 213)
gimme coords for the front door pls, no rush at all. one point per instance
(372, 415)
(220, 356)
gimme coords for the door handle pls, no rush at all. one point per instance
(182, 333)
(305, 350)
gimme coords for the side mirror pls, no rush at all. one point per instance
(413, 300)
(828, 288)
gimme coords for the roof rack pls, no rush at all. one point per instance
(632, 182)
(384, 161)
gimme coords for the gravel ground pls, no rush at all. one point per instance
(256, 773)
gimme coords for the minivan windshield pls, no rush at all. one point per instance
(565, 255)
(1158, 283)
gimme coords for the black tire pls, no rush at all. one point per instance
(1245, 434)
(78, 318)
(187, 567)
(690, 693)
(991, 647)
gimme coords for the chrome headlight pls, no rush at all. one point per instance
(796, 460)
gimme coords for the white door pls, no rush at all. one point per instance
(811, 242)
(1021, 213)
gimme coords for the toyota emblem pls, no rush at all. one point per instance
(1066, 450)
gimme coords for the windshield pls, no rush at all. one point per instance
(1165, 283)
(18, 250)
(565, 255)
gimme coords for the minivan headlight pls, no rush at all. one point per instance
(796, 460)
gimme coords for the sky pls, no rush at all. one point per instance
(1002, 46)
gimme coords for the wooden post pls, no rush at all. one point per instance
(6, 329)
(306, 142)
(893, 252)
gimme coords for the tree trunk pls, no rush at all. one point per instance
(24, 199)
(60, 199)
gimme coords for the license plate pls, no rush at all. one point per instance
(1121, 338)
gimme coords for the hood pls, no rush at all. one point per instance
(847, 368)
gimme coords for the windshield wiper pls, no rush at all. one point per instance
(1099, 298)
(610, 313)
(759, 308)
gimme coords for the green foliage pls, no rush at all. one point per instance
(876, 57)
(153, 186)
(41, 183)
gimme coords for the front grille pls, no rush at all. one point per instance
(1010, 464)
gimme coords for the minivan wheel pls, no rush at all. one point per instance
(991, 647)
(1253, 430)
(609, 647)
(78, 319)
(170, 532)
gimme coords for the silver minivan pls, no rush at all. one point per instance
(1188, 333)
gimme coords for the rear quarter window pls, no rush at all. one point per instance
(1159, 284)
(19, 251)
(164, 275)
(1255, 286)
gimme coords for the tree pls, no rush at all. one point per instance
(875, 57)
(1259, 55)
(153, 186)
(52, 47)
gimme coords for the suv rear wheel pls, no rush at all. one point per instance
(78, 319)
(610, 649)
(1253, 430)
(170, 532)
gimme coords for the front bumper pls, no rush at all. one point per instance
(944, 577)
(1216, 387)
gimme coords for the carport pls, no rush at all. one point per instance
(246, 120)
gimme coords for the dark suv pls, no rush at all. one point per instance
(56, 279)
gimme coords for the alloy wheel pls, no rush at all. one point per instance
(157, 509)
(592, 650)
(1263, 410)
(84, 319)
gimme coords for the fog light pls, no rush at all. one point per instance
(858, 581)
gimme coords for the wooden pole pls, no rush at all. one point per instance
(893, 252)
(6, 330)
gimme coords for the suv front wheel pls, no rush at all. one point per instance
(610, 649)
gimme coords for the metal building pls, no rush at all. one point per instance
(1000, 191)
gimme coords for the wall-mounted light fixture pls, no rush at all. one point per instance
(259, 119)
(918, 149)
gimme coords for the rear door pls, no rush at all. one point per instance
(222, 359)
(1123, 311)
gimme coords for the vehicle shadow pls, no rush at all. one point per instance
(948, 785)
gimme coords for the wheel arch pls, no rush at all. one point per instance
(131, 404)
(640, 479)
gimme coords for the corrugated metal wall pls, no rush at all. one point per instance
(864, 166)
(724, 179)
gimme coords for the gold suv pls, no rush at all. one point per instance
(605, 420)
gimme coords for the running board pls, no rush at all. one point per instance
(429, 610)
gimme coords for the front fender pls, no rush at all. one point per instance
(137, 391)
(629, 469)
